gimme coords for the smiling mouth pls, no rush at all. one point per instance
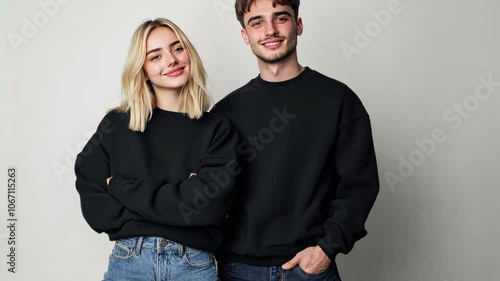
(175, 72)
(272, 43)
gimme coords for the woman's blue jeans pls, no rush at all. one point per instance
(158, 259)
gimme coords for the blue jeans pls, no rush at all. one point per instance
(234, 271)
(158, 259)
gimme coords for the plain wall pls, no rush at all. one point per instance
(436, 217)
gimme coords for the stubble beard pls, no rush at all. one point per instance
(276, 58)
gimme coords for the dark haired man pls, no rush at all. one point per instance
(310, 174)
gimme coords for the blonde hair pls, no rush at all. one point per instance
(138, 94)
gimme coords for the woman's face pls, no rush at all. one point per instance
(167, 63)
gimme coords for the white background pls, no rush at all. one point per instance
(439, 222)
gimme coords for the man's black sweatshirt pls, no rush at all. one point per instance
(309, 169)
(151, 192)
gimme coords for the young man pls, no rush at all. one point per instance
(309, 174)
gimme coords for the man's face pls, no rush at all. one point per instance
(271, 31)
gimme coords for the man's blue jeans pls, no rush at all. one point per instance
(234, 271)
(158, 259)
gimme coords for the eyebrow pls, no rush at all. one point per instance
(275, 14)
(158, 49)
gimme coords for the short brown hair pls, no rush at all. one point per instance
(243, 6)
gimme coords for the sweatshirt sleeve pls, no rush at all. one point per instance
(92, 167)
(201, 200)
(358, 186)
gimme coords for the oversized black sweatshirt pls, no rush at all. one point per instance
(151, 192)
(309, 169)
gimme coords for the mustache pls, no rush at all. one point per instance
(271, 38)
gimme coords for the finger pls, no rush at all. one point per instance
(291, 263)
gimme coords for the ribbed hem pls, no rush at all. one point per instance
(259, 261)
(201, 238)
(326, 246)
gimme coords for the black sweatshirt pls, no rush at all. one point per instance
(309, 169)
(151, 193)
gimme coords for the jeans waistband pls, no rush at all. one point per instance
(157, 243)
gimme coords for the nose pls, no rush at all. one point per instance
(170, 59)
(271, 29)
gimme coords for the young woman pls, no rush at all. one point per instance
(158, 173)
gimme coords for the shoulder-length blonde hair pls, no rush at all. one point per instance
(138, 94)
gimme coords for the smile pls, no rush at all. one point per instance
(175, 72)
(272, 43)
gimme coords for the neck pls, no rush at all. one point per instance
(281, 71)
(170, 101)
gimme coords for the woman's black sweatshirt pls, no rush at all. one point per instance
(151, 192)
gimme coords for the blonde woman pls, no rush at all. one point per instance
(158, 174)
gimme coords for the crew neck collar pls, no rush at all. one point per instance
(299, 79)
(170, 115)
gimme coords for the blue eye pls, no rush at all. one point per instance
(155, 57)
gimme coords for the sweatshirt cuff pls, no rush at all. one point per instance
(115, 186)
(329, 246)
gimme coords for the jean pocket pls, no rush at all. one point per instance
(309, 276)
(198, 258)
(122, 251)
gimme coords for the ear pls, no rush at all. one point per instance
(300, 26)
(245, 36)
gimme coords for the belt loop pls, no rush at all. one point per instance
(138, 246)
(181, 250)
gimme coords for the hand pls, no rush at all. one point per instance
(312, 260)
(192, 174)
(107, 180)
